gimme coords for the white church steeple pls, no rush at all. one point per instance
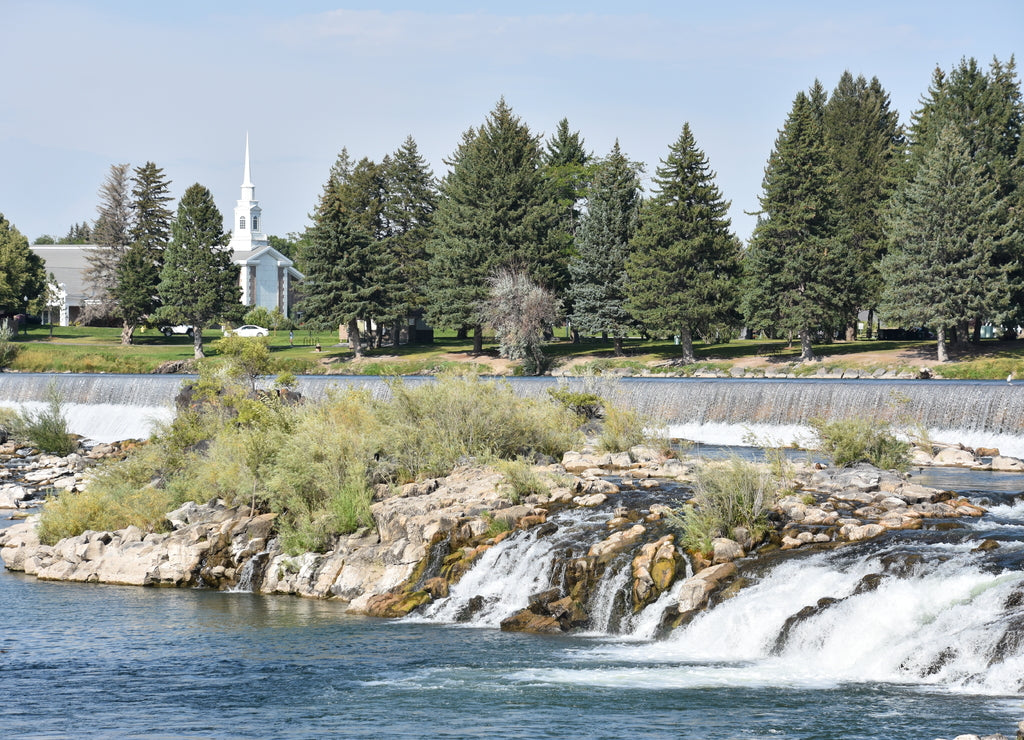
(246, 233)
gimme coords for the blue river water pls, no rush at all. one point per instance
(92, 661)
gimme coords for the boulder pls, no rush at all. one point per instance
(726, 550)
(954, 456)
(1007, 464)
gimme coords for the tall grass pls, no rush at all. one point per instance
(726, 495)
(860, 439)
(317, 465)
(47, 428)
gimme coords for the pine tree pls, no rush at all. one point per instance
(22, 272)
(986, 111)
(134, 292)
(567, 170)
(864, 144)
(151, 222)
(939, 271)
(112, 235)
(495, 211)
(409, 205)
(598, 283)
(198, 280)
(339, 260)
(685, 262)
(790, 266)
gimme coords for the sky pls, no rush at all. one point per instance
(88, 84)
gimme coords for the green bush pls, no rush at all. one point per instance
(47, 428)
(859, 439)
(726, 495)
(621, 429)
(585, 405)
(119, 494)
(8, 348)
(316, 465)
(522, 480)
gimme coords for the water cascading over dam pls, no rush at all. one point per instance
(717, 411)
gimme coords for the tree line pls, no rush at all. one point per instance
(916, 224)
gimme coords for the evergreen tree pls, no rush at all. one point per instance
(864, 144)
(22, 272)
(134, 292)
(495, 211)
(151, 218)
(986, 111)
(598, 286)
(790, 265)
(939, 271)
(112, 236)
(567, 169)
(198, 280)
(409, 205)
(685, 262)
(339, 260)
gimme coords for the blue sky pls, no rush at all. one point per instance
(87, 84)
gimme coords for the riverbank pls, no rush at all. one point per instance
(97, 349)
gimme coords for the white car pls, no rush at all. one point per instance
(170, 331)
(249, 330)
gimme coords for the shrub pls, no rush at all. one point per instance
(522, 480)
(726, 495)
(621, 429)
(859, 439)
(430, 427)
(47, 428)
(8, 348)
(119, 494)
(585, 405)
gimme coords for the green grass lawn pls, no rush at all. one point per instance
(98, 349)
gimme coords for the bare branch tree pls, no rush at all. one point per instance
(520, 311)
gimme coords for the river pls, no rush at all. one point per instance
(90, 661)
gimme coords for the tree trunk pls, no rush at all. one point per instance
(686, 345)
(127, 332)
(617, 343)
(806, 351)
(851, 330)
(940, 335)
(574, 333)
(871, 321)
(396, 333)
(478, 339)
(197, 342)
(976, 339)
(462, 332)
(355, 341)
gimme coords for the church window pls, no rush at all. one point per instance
(241, 223)
(255, 223)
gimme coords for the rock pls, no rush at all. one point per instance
(862, 532)
(607, 549)
(954, 456)
(526, 621)
(986, 451)
(11, 495)
(594, 499)
(726, 550)
(1007, 464)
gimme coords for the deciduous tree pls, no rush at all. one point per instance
(22, 272)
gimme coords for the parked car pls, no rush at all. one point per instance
(249, 330)
(170, 331)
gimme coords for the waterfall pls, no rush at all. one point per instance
(928, 607)
(713, 411)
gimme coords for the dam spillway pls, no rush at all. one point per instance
(718, 411)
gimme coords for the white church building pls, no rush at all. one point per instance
(267, 277)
